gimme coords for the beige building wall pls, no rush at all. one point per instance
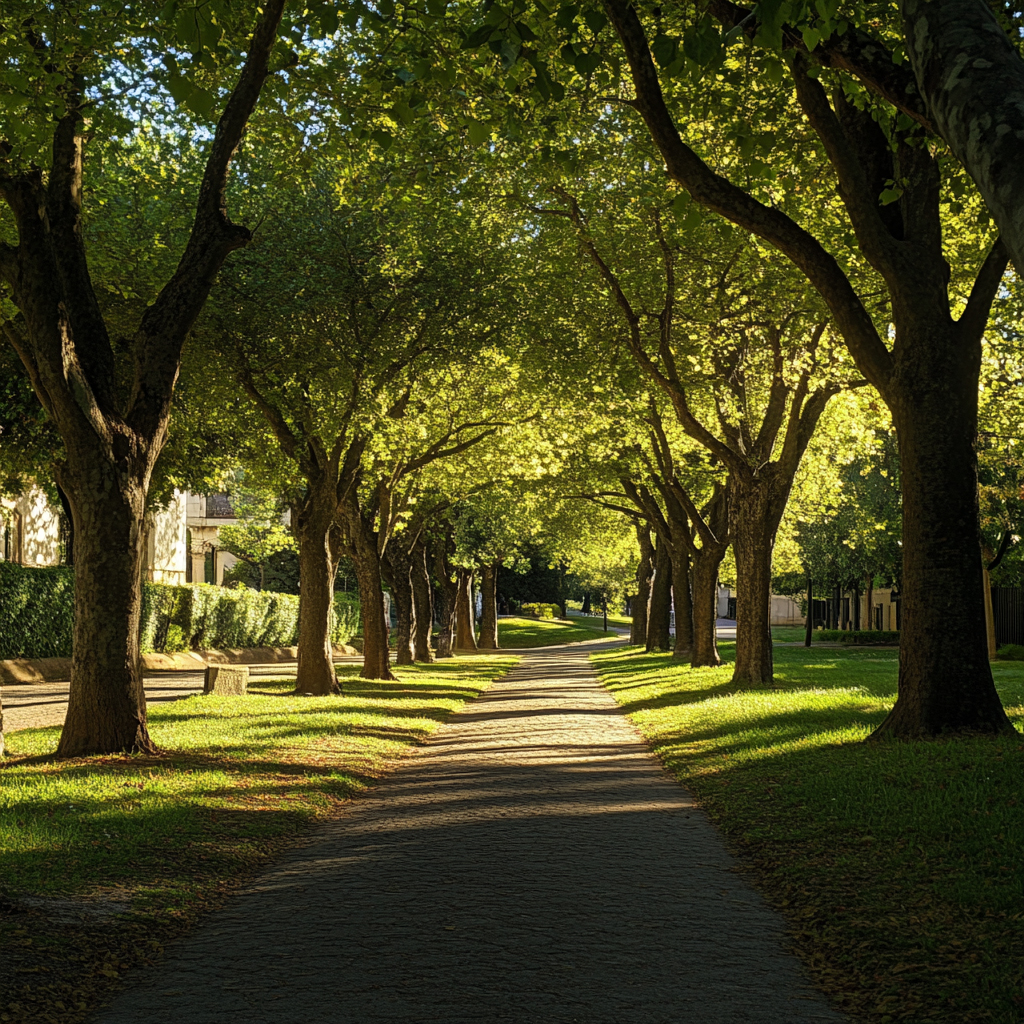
(166, 545)
(33, 526)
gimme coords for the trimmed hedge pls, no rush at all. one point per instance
(37, 611)
(37, 614)
(859, 636)
(541, 610)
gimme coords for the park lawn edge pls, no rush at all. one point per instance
(896, 865)
(60, 964)
(518, 633)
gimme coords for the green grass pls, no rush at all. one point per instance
(788, 634)
(241, 778)
(597, 621)
(899, 865)
(542, 632)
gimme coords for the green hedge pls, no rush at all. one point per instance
(542, 611)
(37, 612)
(859, 636)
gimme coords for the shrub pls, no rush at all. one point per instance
(1011, 652)
(37, 611)
(37, 615)
(540, 610)
(859, 636)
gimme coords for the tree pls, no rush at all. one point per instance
(113, 424)
(768, 382)
(362, 330)
(259, 533)
(928, 379)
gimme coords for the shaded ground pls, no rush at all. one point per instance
(898, 864)
(532, 863)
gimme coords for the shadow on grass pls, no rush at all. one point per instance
(843, 832)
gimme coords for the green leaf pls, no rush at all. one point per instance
(201, 101)
(664, 49)
(478, 132)
(811, 37)
(480, 35)
(889, 195)
(586, 63)
(566, 15)
(595, 20)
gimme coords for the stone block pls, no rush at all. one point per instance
(226, 680)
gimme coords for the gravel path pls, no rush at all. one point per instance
(532, 863)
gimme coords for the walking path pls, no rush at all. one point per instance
(532, 863)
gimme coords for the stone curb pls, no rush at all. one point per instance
(55, 670)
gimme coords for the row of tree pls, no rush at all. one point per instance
(503, 261)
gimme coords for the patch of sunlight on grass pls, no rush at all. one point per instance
(543, 632)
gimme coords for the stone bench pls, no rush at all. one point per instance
(226, 680)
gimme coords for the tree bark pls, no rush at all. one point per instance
(465, 624)
(682, 601)
(399, 566)
(107, 702)
(424, 605)
(315, 674)
(448, 590)
(705, 609)
(644, 574)
(972, 80)
(755, 519)
(809, 623)
(658, 621)
(869, 597)
(945, 681)
(489, 619)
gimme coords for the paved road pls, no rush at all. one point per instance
(531, 864)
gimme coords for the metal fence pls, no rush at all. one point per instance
(1008, 612)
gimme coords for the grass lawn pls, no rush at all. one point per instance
(597, 621)
(789, 634)
(542, 632)
(164, 838)
(900, 866)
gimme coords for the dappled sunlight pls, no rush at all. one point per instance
(237, 775)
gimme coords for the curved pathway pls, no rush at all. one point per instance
(532, 863)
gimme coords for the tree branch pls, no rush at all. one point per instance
(718, 194)
(165, 325)
(974, 318)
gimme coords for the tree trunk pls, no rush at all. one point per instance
(447, 604)
(642, 601)
(489, 619)
(705, 609)
(869, 598)
(400, 578)
(856, 607)
(809, 623)
(465, 626)
(376, 628)
(682, 600)
(754, 522)
(107, 701)
(658, 622)
(586, 609)
(945, 681)
(424, 605)
(315, 674)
